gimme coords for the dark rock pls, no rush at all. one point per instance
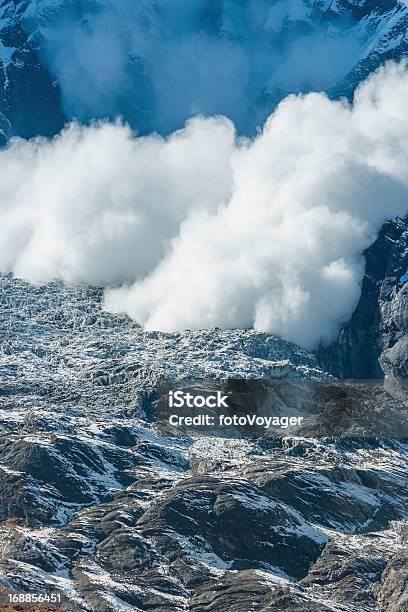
(238, 521)
(348, 573)
(380, 319)
(392, 591)
(248, 590)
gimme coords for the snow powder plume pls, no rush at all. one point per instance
(205, 229)
(158, 63)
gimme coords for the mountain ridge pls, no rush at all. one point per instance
(35, 89)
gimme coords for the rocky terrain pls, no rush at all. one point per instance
(374, 341)
(104, 506)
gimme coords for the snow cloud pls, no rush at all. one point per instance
(158, 63)
(203, 228)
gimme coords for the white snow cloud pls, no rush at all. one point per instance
(203, 229)
(97, 205)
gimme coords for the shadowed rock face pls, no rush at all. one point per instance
(241, 524)
(251, 589)
(393, 591)
(374, 342)
(29, 97)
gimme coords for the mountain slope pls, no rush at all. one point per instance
(367, 346)
(106, 507)
(156, 68)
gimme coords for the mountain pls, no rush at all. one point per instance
(29, 99)
(108, 508)
(62, 59)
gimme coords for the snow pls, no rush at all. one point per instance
(6, 55)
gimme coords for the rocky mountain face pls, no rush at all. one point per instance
(41, 68)
(374, 342)
(105, 507)
(29, 98)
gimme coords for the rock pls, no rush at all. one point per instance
(392, 592)
(238, 521)
(251, 590)
(348, 572)
(380, 320)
